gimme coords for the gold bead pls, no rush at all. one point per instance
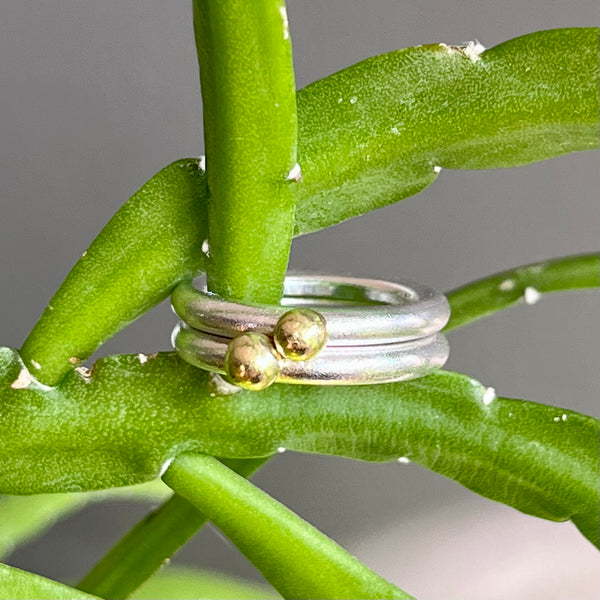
(300, 334)
(251, 362)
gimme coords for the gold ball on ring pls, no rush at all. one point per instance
(300, 334)
(251, 362)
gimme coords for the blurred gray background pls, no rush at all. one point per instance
(98, 96)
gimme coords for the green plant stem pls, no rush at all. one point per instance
(250, 130)
(122, 425)
(523, 284)
(297, 559)
(153, 540)
(22, 585)
(250, 126)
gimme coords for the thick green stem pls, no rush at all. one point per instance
(297, 559)
(523, 284)
(250, 130)
(153, 540)
(248, 90)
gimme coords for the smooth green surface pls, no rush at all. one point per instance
(501, 290)
(152, 242)
(27, 517)
(525, 100)
(178, 583)
(144, 549)
(250, 132)
(371, 134)
(299, 561)
(22, 585)
(122, 425)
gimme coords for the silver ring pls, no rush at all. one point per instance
(366, 331)
(358, 311)
(335, 365)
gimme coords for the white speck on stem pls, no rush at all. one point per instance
(403, 460)
(206, 248)
(143, 358)
(473, 50)
(353, 100)
(202, 163)
(437, 169)
(36, 364)
(295, 173)
(285, 22)
(531, 296)
(564, 417)
(556, 419)
(84, 254)
(489, 396)
(507, 285)
(340, 100)
(165, 466)
(281, 449)
(23, 380)
(221, 387)
(395, 130)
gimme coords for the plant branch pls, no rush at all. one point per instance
(143, 550)
(250, 129)
(523, 284)
(121, 425)
(299, 561)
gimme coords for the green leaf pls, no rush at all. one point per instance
(179, 583)
(523, 284)
(121, 425)
(22, 585)
(300, 561)
(527, 99)
(372, 134)
(250, 131)
(152, 242)
(27, 517)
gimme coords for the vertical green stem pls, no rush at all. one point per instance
(250, 128)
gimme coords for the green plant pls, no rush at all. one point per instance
(121, 423)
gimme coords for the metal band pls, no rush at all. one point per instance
(358, 311)
(335, 365)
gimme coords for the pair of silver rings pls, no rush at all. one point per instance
(328, 330)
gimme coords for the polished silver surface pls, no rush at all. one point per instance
(335, 365)
(357, 311)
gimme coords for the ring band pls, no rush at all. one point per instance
(335, 365)
(366, 331)
(358, 311)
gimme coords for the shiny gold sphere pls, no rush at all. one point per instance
(251, 362)
(300, 334)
